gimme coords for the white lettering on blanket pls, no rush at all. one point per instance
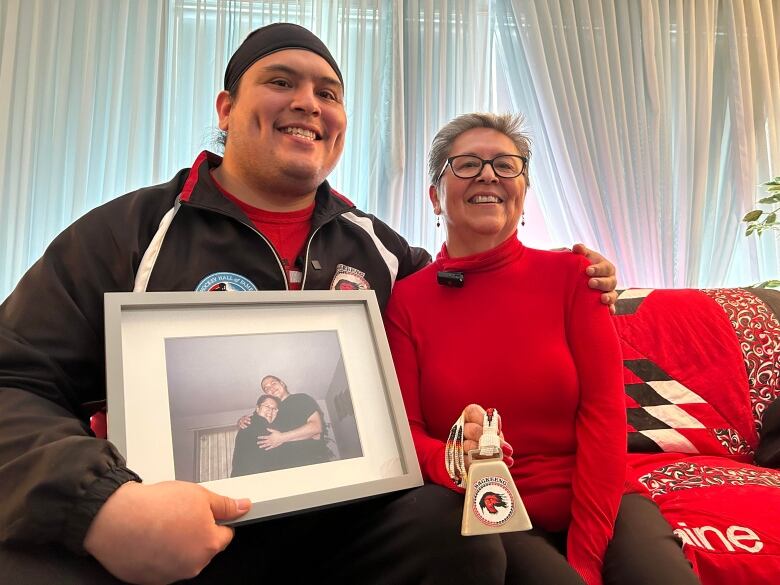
(711, 538)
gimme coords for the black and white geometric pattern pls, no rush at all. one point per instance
(659, 416)
(628, 301)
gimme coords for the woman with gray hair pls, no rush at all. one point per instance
(473, 329)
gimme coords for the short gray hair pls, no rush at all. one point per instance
(510, 125)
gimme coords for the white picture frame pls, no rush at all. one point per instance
(181, 362)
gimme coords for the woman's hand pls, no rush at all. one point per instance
(473, 419)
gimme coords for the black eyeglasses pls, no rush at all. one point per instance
(467, 166)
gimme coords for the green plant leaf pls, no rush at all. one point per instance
(773, 187)
(771, 199)
(750, 230)
(770, 219)
(752, 215)
(768, 284)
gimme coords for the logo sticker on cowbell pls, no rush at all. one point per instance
(348, 278)
(227, 281)
(493, 504)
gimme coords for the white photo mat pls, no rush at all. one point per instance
(137, 325)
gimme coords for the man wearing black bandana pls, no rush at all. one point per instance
(72, 512)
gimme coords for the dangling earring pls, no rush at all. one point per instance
(438, 221)
(522, 220)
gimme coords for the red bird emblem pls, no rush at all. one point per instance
(490, 501)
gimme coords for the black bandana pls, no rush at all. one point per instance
(269, 39)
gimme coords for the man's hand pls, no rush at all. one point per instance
(472, 430)
(160, 533)
(603, 275)
(311, 429)
(272, 440)
(244, 421)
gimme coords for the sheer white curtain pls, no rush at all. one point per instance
(655, 123)
(80, 89)
(214, 456)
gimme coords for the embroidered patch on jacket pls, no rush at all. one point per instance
(348, 278)
(228, 281)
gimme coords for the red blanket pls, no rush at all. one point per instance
(726, 513)
(701, 367)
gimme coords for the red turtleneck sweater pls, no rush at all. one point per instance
(547, 358)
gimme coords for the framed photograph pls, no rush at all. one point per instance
(288, 399)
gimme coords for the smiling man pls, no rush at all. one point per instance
(286, 123)
(299, 428)
(261, 218)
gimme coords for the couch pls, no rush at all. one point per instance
(702, 383)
